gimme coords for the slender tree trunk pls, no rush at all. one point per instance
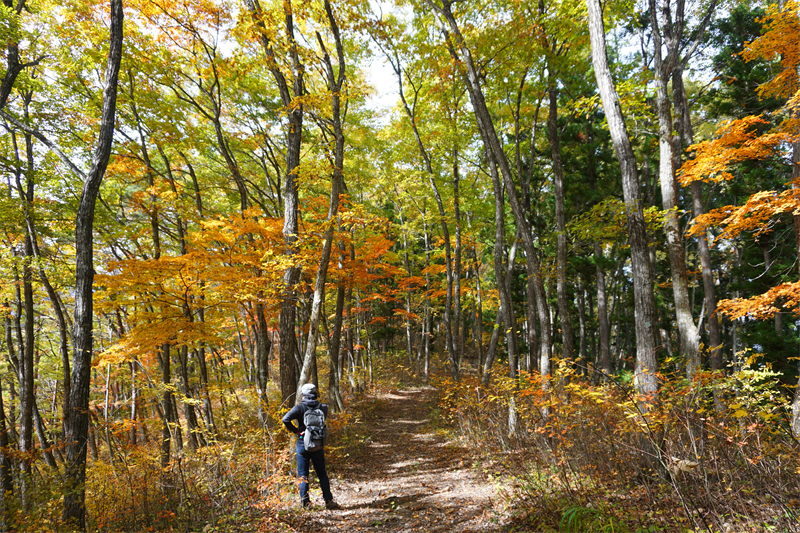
(492, 350)
(604, 333)
(26, 194)
(263, 349)
(561, 225)
(796, 186)
(462, 55)
(78, 413)
(527, 358)
(6, 479)
(684, 127)
(335, 349)
(196, 439)
(166, 405)
(506, 311)
(646, 368)
(294, 106)
(25, 335)
(687, 329)
(335, 83)
(478, 314)
(426, 326)
(41, 434)
(407, 264)
(581, 362)
(134, 402)
(201, 314)
(458, 332)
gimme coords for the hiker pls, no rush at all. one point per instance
(312, 412)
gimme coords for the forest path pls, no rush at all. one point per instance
(406, 479)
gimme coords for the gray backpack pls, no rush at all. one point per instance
(314, 419)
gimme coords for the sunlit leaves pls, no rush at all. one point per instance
(781, 41)
(735, 141)
(606, 222)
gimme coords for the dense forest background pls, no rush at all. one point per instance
(580, 220)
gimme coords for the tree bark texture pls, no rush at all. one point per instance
(78, 419)
(335, 83)
(796, 184)
(669, 150)
(683, 126)
(462, 55)
(561, 226)
(6, 479)
(290, 99)
(604, 332)
(646, 368)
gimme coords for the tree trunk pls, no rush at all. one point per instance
(6, 479)
(684, 127)
(201, 315)
(294, 106)
(335, 83)
(196, 439)
(505, 317)
(581, 362)
(460, 53)
(604, 333)
(263, 349)
(336, 351)
(78, 414)
(458, 332)
(561, 225)
(166, 405)
(645, 380)
(478, 313)
(428, 321)
(32, 246)
(407, 264)
(41, 434)
(25, 336)
(669, 150)
(796, 185)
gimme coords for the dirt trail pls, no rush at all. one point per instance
(407, 479)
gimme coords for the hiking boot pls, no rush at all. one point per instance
(332, 505)
(306, 504)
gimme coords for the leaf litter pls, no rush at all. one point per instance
(408, 478)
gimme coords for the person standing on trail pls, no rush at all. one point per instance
(308, 409)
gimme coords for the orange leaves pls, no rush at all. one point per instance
(231, 263)
(737, 141)
(405, 314)
(754, 216)
(411, 283)
(781, 40)
(763, 306)
(748, 139)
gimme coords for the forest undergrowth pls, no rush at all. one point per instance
(711, 455)
(237, 482)
(585, 457)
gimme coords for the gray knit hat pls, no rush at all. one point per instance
(309, 390)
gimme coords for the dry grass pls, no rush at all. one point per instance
(585, 458)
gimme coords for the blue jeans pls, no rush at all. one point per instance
(304, 459)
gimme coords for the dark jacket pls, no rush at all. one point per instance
(297, 412)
